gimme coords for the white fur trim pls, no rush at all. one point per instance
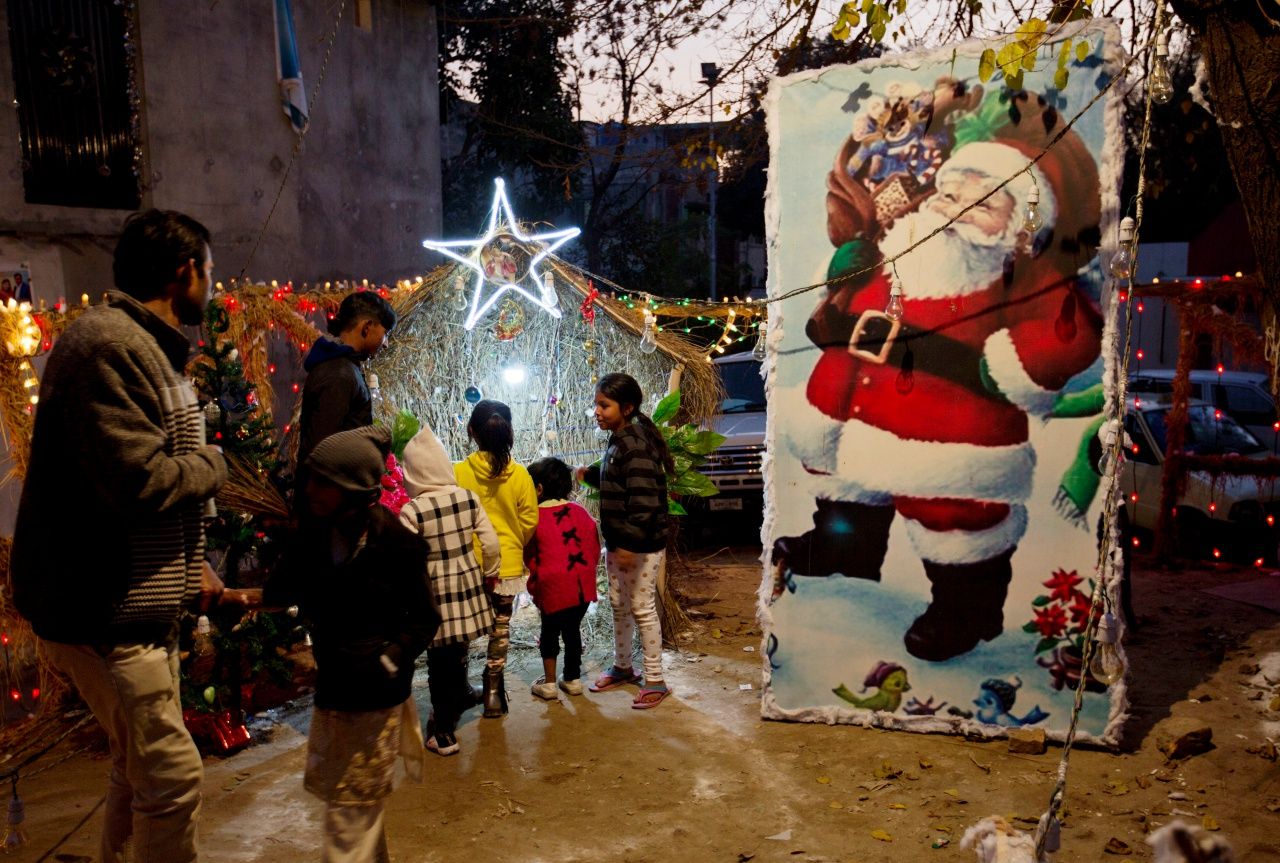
(878, 459)
(968, 546)
(811, 435)
(999, 161)
(1005, 367)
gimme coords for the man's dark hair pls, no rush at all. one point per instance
(153, 246)
(362, 306)
(555, 477)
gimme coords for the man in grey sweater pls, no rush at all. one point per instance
(109, 543)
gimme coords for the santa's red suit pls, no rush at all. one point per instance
(939, 430)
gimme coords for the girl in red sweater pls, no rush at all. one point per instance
(562, 558)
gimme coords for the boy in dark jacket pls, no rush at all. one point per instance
(335, 397)
(356, 575)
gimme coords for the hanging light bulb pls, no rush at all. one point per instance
(461, 302)
(894, 307)
(549, 295)
(1159, 82)
(1122, 260)
(760, 350)
(1032, 220)
(14, 835)
(1106, 666)
(648, 341)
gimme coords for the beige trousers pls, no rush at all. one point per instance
(355, 834)
(153, 794)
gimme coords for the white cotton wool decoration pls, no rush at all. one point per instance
(994, 840)
(1177, 842)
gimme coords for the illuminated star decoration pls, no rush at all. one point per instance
(500, 274)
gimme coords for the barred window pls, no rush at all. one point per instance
(72, 76)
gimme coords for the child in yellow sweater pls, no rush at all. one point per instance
(508, 496)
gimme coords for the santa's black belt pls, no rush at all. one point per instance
(878, 339)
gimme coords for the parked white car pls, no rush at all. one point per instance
(735, 467)
(1234, 516)
(1244, 395)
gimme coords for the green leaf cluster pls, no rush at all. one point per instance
(689, 448)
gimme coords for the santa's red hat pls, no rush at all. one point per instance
(1065, 173)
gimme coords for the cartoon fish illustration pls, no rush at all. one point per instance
(890, 681)
(996, 698)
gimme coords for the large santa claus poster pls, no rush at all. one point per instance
(933, 489)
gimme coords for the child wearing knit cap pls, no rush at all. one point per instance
(355, 574)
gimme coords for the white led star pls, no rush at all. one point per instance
(501, 271)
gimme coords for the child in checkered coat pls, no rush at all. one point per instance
(562, 558)
(449, 517)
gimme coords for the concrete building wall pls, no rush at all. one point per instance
(362, 194)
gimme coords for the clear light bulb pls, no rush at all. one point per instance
(648, 341)
(1159, 82)
(760, 350)
(1122, 260)
(460, 299)
(1106, 666)
(1032, 221)
(549, 295)
(894, 307)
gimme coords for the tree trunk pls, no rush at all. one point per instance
(1241, 50)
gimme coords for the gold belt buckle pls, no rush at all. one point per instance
(878, 357)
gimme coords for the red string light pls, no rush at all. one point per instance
(1217, 552)
(1141, 354)
(1213, 506)
(1221, 368)
(15, 695)
(35, 692)
(295, 388)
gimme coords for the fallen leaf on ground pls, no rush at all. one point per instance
(715, 633)
(943, 828)
(1116, 787)
(897, 806)
(835, 804)
(1117, 846)
(925, 763)
(824, 780)
(887, 771)
(1210, 823)
(1142, 781)
(1275, 703)
(881, 835)
(1273, 805)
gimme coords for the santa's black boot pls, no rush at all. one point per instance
(848, 538)
(967, 607)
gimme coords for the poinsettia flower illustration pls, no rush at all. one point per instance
(1051, 620)
(1080, 608)
(1062, 585)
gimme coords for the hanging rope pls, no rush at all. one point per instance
(301, 136)
(1100, 601)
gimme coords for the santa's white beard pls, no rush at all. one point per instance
(961, 260)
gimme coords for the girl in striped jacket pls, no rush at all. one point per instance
(632, 478)
(448, 517)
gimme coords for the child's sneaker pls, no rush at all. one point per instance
(544, 690)
(571, 687)
(443, 743)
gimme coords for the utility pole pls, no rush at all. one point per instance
(710, 74)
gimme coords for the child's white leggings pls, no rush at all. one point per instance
(633, 592)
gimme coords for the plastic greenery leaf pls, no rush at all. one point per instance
(693, 484)
(704, 442)
(674, 507)
(403, 428)
(667, 408)
(982, 124)
(987, 65)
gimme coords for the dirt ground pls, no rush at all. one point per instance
(704, 778)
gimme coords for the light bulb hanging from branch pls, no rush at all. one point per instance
(1032, 220)
(760, 351)
(1122, 260)
(1106, 665)
(648, 338)
(1159, 81)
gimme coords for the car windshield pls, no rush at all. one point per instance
(1207, 434)
(744, 389)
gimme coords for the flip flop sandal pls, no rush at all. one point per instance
(648, 698)
(612, 679)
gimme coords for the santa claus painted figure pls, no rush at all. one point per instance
(924, 415)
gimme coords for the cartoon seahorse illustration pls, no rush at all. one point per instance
(890, 681)
(996, 698)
